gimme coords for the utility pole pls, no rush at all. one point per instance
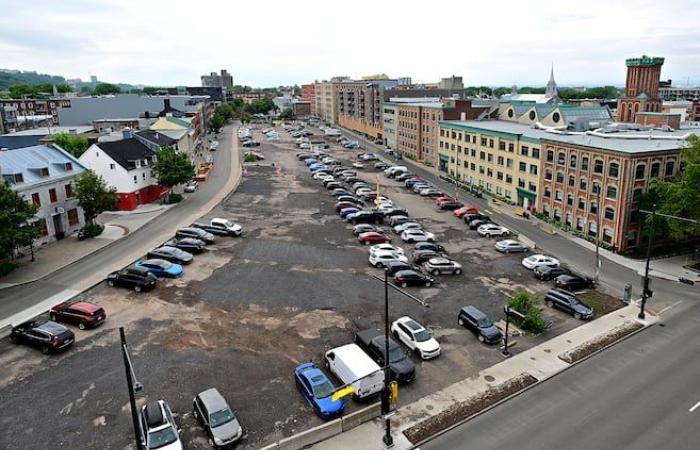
(505, 340)
(132, 387)
(646, 292)
(388, 440)
(597, 234)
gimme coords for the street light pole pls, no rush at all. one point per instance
(388, 440)
(646, 292)
(505, 341)
(130, 387)
(597, 234)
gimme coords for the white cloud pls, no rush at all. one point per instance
(278, 42)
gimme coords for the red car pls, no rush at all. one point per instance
(371, 195)
(81, 313)
(343, 205)
(372, 237)
(466, 209)
(440, 200)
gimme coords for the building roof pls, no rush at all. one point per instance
(45, 131)
(160, 139)
(11, 141)
(611, 138)
(29, 161)
(126, 151)
(171, 123)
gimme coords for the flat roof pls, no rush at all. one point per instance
(627, 141)
(45, 131)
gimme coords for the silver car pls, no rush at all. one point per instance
(442, 266)
(511, 246)
(218, 419)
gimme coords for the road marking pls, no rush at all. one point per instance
(694, 407)
(669, 307)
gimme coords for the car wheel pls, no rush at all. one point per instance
(458, 271)
(435, 272)
(549, 304)
(53, 317)
(379, 265)
(81, 325)
(428, 284)
(137, 288)
(404, 285)
(577, 316)
(211, 442)
(481, 339)
(45, 349)
(110, 283)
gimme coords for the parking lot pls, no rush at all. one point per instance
(250, 309)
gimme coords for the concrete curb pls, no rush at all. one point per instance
(539, 381)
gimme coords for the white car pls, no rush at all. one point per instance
(416, 337)
(327, 178)
(491, 229)
(417, 236)
(358, 165)
(385, 247)
(362, 190)
(382, 257)
(320, 174)
(540, 260)
(385, 207)
(304, 145)
(398, 229)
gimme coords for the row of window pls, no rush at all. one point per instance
(593, 207)
(53, 195)
(73, 220)
(592, 229)
(499, 175)
(611, 191)
(613, 168)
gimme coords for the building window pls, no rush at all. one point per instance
(524, 150)
(483, 142)
(533, 169)
(584, 184)
(511, 148)
(501, 145)
(594, 207)
(580, 223)
(19, 178)
(557, 214)
(73, 218)
(558, 196)
(598, 166)
(521, 183)
(560, 177)
(584, 163)
(509, 163)
(112, 166)
(636, 195)
(472, 166)
(491, 143)
(572, 181)
(669, 168)
(592, 229)
(482, 155)
(607, 235)
(489, 172)
(561, 158)
(536, 153)
(523, 168)
(570, 200)
(655, 169)
(550, 155)
(547, 192)
(611, 192)
(500, 160)
(547, 173)
(614, 170)
(609, 213)
(68, 167)
(640, 171)
(581, 204)
(509, 179)
(52, 195)
(69, 190)
(568, 219)
(473, 153)
(136, 179)
(532, 187)
(499, 175)
(44, 172)
(572, 161)
(489, 157)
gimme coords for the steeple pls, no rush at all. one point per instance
(551, 90)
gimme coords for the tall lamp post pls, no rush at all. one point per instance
(133, 386)
(646, 292)
(597, 233)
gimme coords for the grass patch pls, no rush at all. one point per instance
(600, 302)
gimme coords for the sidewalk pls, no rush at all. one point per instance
(541, 362)
(59, 254)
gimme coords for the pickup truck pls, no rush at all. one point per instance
(372, 341)
(220, 227)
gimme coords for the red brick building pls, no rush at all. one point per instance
(308, 94)
(641, 88)
(695, 111)
(650, 119)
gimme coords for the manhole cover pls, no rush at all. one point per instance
(489, 378)
(429, 407)
(533, 358)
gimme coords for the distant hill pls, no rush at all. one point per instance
(11, 77)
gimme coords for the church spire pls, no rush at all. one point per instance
(552, 90)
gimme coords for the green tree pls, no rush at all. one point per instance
(106, 88)
(499, 91)
(261, 106)
(287, 114)
(531, 90)
(93, 195)
(225, 110)
(172, 167)
(216, 123)
(15, 212)
(73, 144)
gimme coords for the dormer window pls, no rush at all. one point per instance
(19, 178)
(44, 172)
(68, 167)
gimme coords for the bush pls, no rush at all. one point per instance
(172, 198)
(523, 302)
(527, 305)
(92, 230)
(6, 267)
(533, 322)
(249, 157)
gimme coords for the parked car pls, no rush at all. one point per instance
(405, 278)
(421, 256)
(397, 266)
(46, 336)
(160, 268)
(382, 257)
(475, 224)
(403, 176)
(171, 254)
(385, 247)
(317, 390)
(252, 143)
(373, 342)
(511, 246)
(398, 229)
(465, 210)
(476, 321)
(358, 165)
(197, 233)
(416, 337)
(82, 313)
(568, 302)
(398, 220)
(429, 192)
(136, 278)
(342, 192)
(571, 282)
(546, 273)
(450, 205)
(159, 426)
(364, 217)
(365, 228)
(351, 365)
(417, 236)
(470, 217)
(395, 212)
(218, 419)
(533, 261)
(493, 230)
(345, 212)
(413, 181)
(348, 197)
(191, 186)
(373, 238)
(381, 165)
(333, 185)
(441, 266)
(430, 246)
(189, 245)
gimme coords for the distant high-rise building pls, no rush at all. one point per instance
(223, 80)
(641, 88)
(404, 81)
(93, 79)
(452, 82)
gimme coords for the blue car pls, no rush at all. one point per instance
(311, 161)
(317, 168)
(347, 211)
(161, 268)
(317, 389)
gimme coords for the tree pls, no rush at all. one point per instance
(225, 111)
(287, 114)
(93, 195)
(73, 144)
(106, 88)
(216, 123)
(261, 106)
(498, 92)
(15, 212)
(172, 167)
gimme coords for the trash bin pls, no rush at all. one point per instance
(627, 293)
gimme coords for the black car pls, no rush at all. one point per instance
(421, 256)
(197, 233)
(47, 336)
(413, 181)
(473, 319)
(365, 217)
(333, 185)
(431, 246)
(405, 278)
(396, 212)
(172, 254)
(451, 205)
(468, 218)
(349, 198)
(396, 266)
(189, 245)
(398, 220)
(373, 342)
(546, 273)
(340, 191)
(404, 176)
(351, 179)
(571, 282)
(135, 278)
(568, 302)
(365, 228)
(251, 143)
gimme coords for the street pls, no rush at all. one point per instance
(638, 395)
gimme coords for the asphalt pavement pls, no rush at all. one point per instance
(640, 394)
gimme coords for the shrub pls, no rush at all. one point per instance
(527, 305)
(92, 230)
(173, 197)
(6, 267)
(533, 322)
(249, 157)
(523, 302)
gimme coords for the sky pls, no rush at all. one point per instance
(277, 42)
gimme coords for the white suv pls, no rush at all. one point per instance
(159, 427)
(382, 257)
(416, 337)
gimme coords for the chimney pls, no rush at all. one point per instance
(463, 115)
(166, 104)
(127, 134)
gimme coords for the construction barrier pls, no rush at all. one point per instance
(352, 420)
(308, 437)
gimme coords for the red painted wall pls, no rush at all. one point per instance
(130, 200)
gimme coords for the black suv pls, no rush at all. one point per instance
(392, 267)
(373, 343)
(473, 319)
(476, 216)
(366, 217)
(568, 302)
(572, 282)
(47, 336)
(190, 245)
(406, 278)
(546, 273)
(423, 255)
(431, 246)
(136, 278)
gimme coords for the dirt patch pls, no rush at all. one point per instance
(506, 286)
(601, 303)
(587, 348)
(462, 410)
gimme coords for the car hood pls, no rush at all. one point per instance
(582, 309)
(428, 346)
(403, 367)
(187, 257)
(328, 406)
(491, 331)
(227, 431)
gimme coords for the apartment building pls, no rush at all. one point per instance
(359, 105)
(325, 99)
(308, 94)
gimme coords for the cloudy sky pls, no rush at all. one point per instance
(271, 42)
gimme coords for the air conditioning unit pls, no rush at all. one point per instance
(60, 210)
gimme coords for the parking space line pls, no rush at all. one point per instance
(694, 407)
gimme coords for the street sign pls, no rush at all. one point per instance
(344, 392)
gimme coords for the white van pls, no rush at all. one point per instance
(352, 366)
(395, 170)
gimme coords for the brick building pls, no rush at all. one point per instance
(641, 88)
(308, 94)
(694, 115)
(33, 112)
(359, 105)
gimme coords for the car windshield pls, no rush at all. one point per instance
(484, 322)
(574, 301)
(163, 264)
(219, 418)
(396, 355)
(323, 390)
(227, 223)
(422, 336)
(161, 438)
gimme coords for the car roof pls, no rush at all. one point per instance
(474, 312)
(439, 261)
(84, 306)
(213, 400)
(406, 272)
(52, 327)
(138, 270)
(153, 413)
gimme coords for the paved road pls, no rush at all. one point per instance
(17, 299)
(635, 395)
(612, 275)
